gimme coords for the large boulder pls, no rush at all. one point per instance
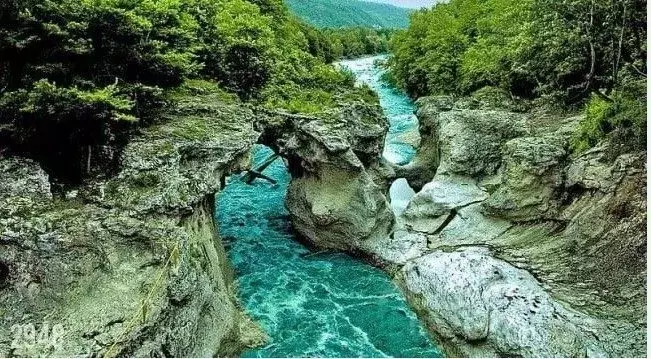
(481, 306)
(131, 266)
(337, 198)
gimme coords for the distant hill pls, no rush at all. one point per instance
(349, 13)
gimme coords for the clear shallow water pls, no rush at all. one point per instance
(311, 305)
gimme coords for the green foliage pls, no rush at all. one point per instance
(460, 47)
(77, 75)
(622, 118)
(530, 48)
(198, 87)
(358, 41)
(236, 46)
(320, 88)
(70, 104)
(62, 127)
(349, 13)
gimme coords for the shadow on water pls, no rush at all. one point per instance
(317, 305)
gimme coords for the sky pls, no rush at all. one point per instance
(413, 4)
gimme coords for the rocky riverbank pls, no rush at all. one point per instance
(514, 246)
(132, 265)
(531, 250)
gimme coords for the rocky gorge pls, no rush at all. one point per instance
(512, 245)
(134, 265)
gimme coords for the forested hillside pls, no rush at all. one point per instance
(350, 13)
(577, 54)
(77, 76)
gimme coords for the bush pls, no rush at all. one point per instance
(622, 118)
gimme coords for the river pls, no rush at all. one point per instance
(317, 305)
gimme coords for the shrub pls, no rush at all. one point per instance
(622, 118)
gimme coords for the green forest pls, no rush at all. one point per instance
(78, 75)
(582, 55)
(349, 13)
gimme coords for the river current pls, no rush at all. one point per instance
(318, 305)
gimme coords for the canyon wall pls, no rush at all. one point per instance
(531, 250)
(131, 265)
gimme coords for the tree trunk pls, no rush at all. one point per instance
(90, 153)
(619, 49)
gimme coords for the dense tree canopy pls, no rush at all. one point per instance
(569, 51)
(75, 75)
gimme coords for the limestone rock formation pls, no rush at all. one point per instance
(439, 201)
(131, 266)
(593, 171)
(336, 198)
(423, 166)
(517, 247)
(470, 141)
(460, 141)
(482, 306)
(531, 178)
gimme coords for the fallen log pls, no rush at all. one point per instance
(251, 175)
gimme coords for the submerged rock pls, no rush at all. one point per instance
(131, 266)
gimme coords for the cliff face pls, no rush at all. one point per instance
(530, 251)
(131, 266)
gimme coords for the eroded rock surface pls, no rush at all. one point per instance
(131, 266)
(440, 201)
(337, 197)
(532, 176)
(516, 247)
(482, 306)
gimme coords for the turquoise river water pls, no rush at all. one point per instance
(317, 305)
